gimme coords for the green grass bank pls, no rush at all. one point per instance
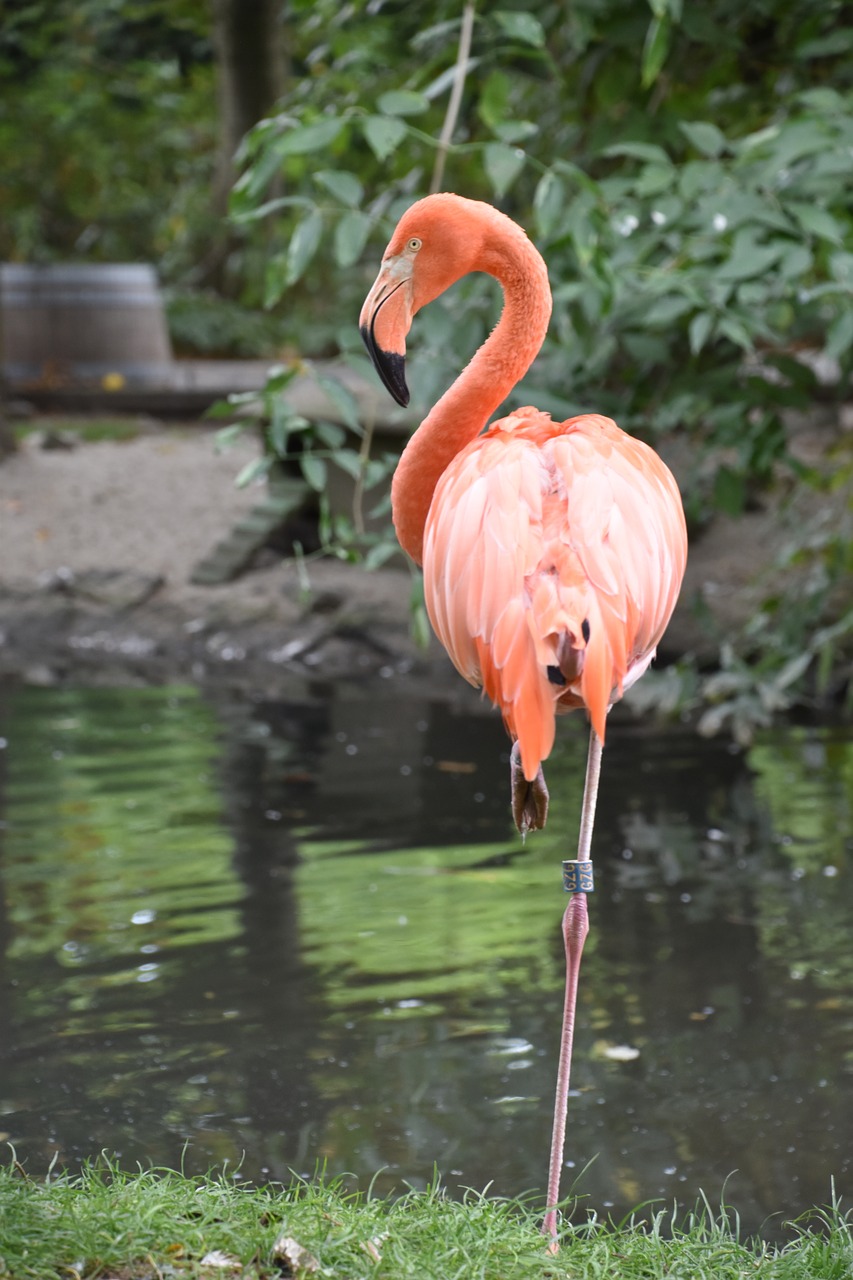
(109, 1224)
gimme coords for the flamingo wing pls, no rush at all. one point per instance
(553, 555)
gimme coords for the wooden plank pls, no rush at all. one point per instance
(194, 385)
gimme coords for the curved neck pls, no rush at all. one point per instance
(464, 409)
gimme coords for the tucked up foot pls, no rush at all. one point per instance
(529, 799)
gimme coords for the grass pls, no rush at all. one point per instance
(82, 428)
(109, 1224)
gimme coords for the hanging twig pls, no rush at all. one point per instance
(455, 102)
(358, 492)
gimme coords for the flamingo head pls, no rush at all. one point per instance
(437, 241)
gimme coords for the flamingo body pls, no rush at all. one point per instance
(553, 554)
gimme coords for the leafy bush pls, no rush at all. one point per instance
(698, 240)
(204, 322)
(107, 132)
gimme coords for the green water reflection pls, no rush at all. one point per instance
(286, 933)
(113, 826)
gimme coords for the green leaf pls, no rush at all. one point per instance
(493, 102)
(816, 221)
(663, 312)
(254, 470)
(381, 553)
(792, 670)
(444, 79)
(351, 235)
(655, 178)
(841, 267)
(275, 279)
(344, 186)
(378, 470)
(796, 139)
(839, 335)
(226, 436)
(699, 330)
(256, 178)
(343, 400)
(384, 135)
(704, 136)
(435, 31)
(822, 98)
(735, 331)
(521, 26)
(638, 151)
(757, 139)
(279, 427)
(581, 225)
(350, 461)
(515, 130)
(314, 470)
(306, 138)
(303, 245)
(242, 211)
(549, 203)
(729, 491)
(421, 630)
(748, 258)
(646, 348)
(829, 46)
(795, 262)
(503, 165)
(330, 434)
(402, 102)
(697, 177)
(655, 49)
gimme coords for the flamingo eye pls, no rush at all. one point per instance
(414, 244)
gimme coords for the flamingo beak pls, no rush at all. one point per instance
(385, 319)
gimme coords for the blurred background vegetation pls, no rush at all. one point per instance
(685, 169)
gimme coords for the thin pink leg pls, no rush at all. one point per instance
(575, 930)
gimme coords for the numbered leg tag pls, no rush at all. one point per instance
(577, 877)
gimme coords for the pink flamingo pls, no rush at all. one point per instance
(553, 552)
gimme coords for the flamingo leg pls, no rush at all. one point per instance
(575, 930)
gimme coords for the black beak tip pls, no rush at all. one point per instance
(390, 366)
(397, 379)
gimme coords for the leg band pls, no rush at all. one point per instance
(577, 877)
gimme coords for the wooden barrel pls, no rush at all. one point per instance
(82, 322)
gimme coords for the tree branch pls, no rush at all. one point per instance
(453, 105)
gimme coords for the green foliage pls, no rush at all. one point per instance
(684, 172)
(107, 131)
(202, 322)
(109, 1220)
(295, 444)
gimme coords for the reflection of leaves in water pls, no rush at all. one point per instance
(122, 780)
(806, 781)
(444, 924)
(418, 924)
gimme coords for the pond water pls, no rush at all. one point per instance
(287, 934)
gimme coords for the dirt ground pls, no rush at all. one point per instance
(98, 542)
